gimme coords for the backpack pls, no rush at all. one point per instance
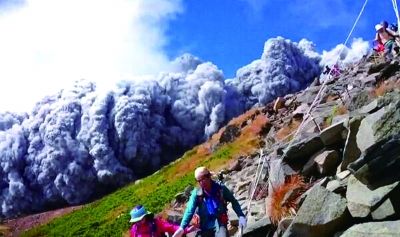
(222, 217)
(393, 27)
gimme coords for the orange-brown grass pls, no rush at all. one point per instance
(255, 126)
(284, 132)
(282, 200)
(243, 117)
(342, 110)
(248, 141)
(331, 98)
(384, 87)
(337, 110)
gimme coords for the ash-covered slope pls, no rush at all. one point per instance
(81, 143)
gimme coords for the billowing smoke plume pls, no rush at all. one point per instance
(82, 143)
(345, 55)
(284, 67)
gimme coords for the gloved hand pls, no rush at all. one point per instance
(178, 232)
(242, 222)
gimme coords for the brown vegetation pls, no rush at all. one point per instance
(282, 200)
(385, 86)
(287, 131)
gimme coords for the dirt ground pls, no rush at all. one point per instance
(14, 227)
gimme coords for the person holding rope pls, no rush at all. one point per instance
(210, 200)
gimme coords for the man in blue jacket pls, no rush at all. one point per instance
(210, 200)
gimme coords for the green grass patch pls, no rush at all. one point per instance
(109, 216)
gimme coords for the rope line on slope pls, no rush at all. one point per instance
(308, 114)
(323, 86)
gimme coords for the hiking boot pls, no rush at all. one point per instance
(355, 165)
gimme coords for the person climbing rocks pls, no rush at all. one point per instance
(210, 201)
(146, 225)
(386, 37)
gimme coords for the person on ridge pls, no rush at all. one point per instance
(210, 201)
(386, 37)
(146, 225)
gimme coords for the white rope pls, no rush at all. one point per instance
(258, 175)
(396, 11)
(316, 100)
(322, 88)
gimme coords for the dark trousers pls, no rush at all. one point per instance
(220, 232)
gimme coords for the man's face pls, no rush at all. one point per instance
(204, 181)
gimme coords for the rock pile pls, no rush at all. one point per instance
(348, 152)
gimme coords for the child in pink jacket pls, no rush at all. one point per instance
(145, 225)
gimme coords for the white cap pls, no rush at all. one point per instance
(378, 27)
(200, 172)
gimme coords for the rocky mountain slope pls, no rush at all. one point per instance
(339, 175)
(336, 177)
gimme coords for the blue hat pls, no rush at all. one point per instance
(137, 213)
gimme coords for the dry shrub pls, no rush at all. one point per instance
(254, 128)
(282, 200)
(285, 132)
(341, 110)
(331, 98)
(385, 86)
(243, 117)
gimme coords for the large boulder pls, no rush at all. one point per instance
(382, 123)
(257, 228)
(299, 153)
(332, 134)
(379, 165)
(351, 151)
(374, 229)
(361, 200)
(321, 214)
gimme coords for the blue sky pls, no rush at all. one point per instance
(231, 33)
(45, 45)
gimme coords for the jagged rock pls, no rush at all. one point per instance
(257, 228)
(351, 151)
(283, 225)
(369, 108)
(301, 109)
(340, 118)
(279, 104)
(235, 166)
(327, 162)
(388, 71)
(374, 68)
(303, 149)
(359, 100)
(361, 199)
(333, 185)
(343, 174)
(374, 229)
(324, 110)
(321, 214)
(366, 132)
(381, 124)
(332, 134)
(229, 134)
(180, 198)
(308, 95)
(380, 164)
(384, 211)
(390, 208)
(310, 168)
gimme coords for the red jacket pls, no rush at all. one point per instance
(155, 229)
